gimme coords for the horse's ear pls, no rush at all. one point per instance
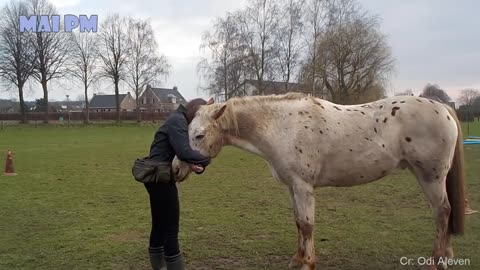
(210, 101)
(219, 112)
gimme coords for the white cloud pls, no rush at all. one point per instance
(65, 3)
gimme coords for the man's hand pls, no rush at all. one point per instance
(197, 168)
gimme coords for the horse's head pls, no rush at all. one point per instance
(206, 136)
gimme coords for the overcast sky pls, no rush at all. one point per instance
(434, 41)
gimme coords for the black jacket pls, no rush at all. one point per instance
(172, 139)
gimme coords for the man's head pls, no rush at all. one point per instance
(192, 107)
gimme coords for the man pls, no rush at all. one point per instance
(171, 139)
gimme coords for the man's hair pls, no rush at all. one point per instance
(192, 108)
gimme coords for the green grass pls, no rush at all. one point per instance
(472, 128)
(74, 205)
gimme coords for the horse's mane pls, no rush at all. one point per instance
(229, 121)
(264, 99)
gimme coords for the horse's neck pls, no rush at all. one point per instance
(251, 135)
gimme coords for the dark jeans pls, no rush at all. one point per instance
(165, 211)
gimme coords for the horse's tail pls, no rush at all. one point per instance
(456, 183)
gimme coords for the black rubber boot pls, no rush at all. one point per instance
(157, 259)
(176, 262)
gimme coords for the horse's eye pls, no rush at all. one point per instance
(199, 137)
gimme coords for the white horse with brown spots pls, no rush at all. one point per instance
(309, 143)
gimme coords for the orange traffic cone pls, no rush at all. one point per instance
(9, 170)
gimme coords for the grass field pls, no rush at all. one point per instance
(74, 205)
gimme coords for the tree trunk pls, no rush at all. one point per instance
(287, 81)
(23, 109)
(87, 109)
(314, 74)
(260, 87)
(117, 100)
(139, 113)
(45, 100)
(313, 88)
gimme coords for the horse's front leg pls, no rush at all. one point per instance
(297, 259)
(304, 208)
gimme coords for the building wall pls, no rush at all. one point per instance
(150, 103)
(128, 103)
(102, 109)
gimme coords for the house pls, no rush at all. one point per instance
(72, 106)
(107, 103)
(7, 106)
(160, 99)
(273, 88)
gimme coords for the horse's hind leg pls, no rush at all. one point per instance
(304, 209)
(434, 187)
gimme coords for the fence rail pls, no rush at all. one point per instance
(80, 116)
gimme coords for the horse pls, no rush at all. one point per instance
(309, 142)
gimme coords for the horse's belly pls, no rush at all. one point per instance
(346, 180)
(354, 172)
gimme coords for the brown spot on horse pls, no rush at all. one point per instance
(394, 110)
(317, 103)
(306, 229)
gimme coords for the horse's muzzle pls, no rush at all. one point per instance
(181, 170)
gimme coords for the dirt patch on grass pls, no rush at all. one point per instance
(268, 262)
(126, 236)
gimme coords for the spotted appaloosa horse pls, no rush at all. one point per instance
(309, 142)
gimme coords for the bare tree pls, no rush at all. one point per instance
(315, 23)
(257, 26)
(468, 96)
(289, 38)
(83, 63)
(353, 55)
(51, 49)
(16, 54)
(114, 51)
(225, 69)
(434, 92)
(144, 66)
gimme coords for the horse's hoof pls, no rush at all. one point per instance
(308, 267)
(442, 266)
(449, 252)
(295, 263)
